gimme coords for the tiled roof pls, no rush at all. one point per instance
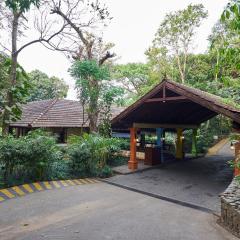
(55, 113)
(205, 95)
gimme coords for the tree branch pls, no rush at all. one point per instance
(57, 10)
(107, 56)
(41, 39)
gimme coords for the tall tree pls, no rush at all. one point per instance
(224, 47)
(161, 65)
(45, 87)
(99, 98)
(14, 11)
(176, 33)
(132, 77)
(85, 43)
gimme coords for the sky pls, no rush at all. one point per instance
(132, 30)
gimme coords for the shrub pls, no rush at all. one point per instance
(42, 151)
(37, 157)
(11, 156)
(59, 170)
(28, 158)
(106, 171)
(90, 153)
(218, 126)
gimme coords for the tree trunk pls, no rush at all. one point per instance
(12, 75)
(93, 116)
(93, 122)
(93, 105)
(182, 73)
(217, 67)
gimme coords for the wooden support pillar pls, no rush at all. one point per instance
(159, 132)
(194, 142)
(237, 159)
(179, 144)
(132, 163)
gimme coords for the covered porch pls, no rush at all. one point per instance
(170, 107)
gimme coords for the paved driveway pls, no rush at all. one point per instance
(101, 211)
(198, 181)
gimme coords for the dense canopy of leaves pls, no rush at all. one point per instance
(45, 87)
(232, 14)
(131, 76)
(95, 90)
(176, 32)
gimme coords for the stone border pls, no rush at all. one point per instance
(230, 208)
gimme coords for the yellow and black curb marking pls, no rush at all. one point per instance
(22, 190)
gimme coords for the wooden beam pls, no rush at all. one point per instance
(158, 125)
(164, 92)
(179, 144)
(164, 99)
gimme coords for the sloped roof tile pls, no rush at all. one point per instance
(55, 113)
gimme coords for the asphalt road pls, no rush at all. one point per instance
(197, 182)
(102, 211)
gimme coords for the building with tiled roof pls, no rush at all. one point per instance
(60, 116)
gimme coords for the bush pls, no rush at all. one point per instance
(59, 170)
(89, 154)
(28, 158)
(217, 126)
(36, 157)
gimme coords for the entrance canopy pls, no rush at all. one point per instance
(172, 105)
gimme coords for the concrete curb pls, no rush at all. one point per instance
(23, 190)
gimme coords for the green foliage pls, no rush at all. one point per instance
(21, 5)
(175, 35)
(44, 87)
(89, 154)
(132, 77)
(235, 136)
(19, 91)
(110, 95)
(89, 79)
(218, 126)
(200, 69)
(95, 90)
(106, 172)
(37, 157)
(118, 160)
(59, 169)
(89, 68)
(28, 158)
(178, 27)
(161, 65)
(225, 47)
(231, 14)
(3, 79)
